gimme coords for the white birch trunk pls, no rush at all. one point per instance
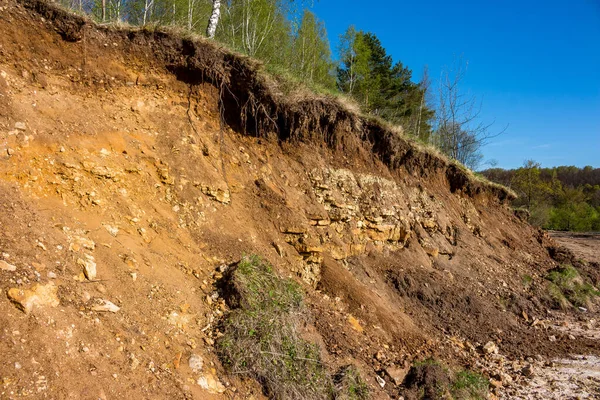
(214, 19)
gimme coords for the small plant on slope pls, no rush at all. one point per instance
(261, 336)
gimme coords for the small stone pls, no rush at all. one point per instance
(380, 380)
(505, 378)
(495, 383)
(571, 337)
(106, 306)
(38, 295)
(4, 266)
(552, 338)
(355, 324)
(113, 230)
(79, 242)
(89, 266)
(490, 348)
(196, 363)
(279, 248)
(211, 383)
(380, 356)
(20, 126)
(10, 151)
(527, 371)
(134, 362)
(397, 374)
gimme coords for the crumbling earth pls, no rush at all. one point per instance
(136, 165)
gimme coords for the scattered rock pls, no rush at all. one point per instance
(113, 230)
(355, 324)
(490, 348)
(397, 374)
(20, 126)
(218, 194)
(89, 266)
(4, 266)
(79, 241)
(105, 306)
(527, 371)
(293, 230)
(279, 248)
(211, 383)
(38, 295)
(380, 381)
(134, 362)
(195, 362)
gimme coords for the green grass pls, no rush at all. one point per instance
(469, 385)
(430, 379)
(567, 287)
(261, 337)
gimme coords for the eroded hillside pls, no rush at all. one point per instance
(136, 166)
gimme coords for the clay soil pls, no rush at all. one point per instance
(123, 147)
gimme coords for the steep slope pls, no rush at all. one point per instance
(158, 161)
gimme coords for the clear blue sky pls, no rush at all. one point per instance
(534, 64)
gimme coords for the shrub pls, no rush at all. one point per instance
(568, 287)
(261, 337)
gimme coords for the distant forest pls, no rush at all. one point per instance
(559, 198)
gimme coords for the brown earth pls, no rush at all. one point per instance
(585, 246)
(162, 159)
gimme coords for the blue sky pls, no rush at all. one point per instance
(534, 64)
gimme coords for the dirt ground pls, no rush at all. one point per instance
(584, 245)
(126, 190)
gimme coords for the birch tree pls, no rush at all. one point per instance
(214, 19)
(311, 53)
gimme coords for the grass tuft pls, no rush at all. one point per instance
(567, 287)
(469, 385)
(261, 337)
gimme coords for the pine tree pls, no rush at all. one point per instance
(382, 88)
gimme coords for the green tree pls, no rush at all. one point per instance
(382, 88)
(528, 184)
(311, 53)
(258, 28)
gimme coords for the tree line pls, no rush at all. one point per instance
(288, 37)
(558, 198)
